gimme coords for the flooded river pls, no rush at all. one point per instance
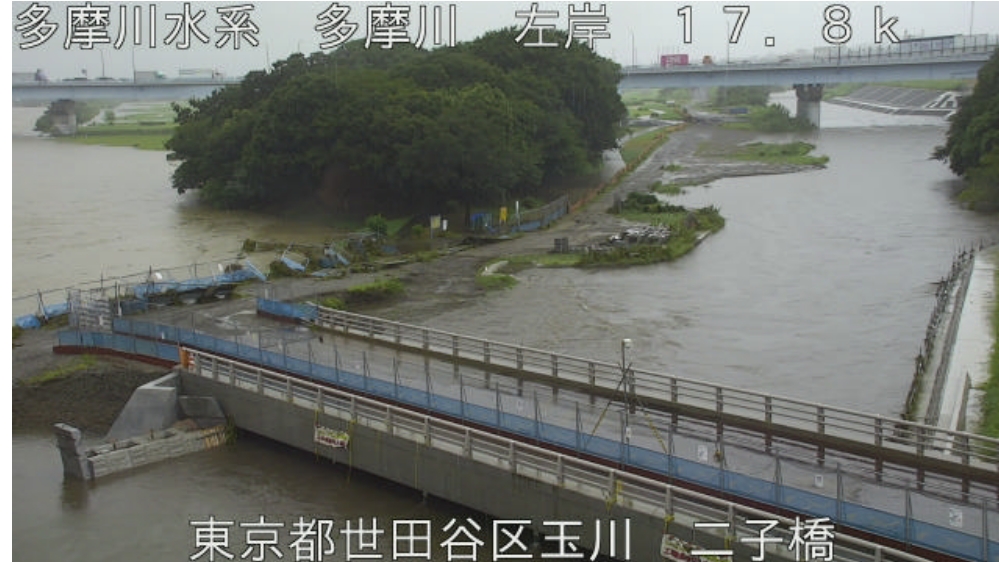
(820, 285)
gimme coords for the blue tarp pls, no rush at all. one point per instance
(28, 322)
(57, 309)
(292, 264)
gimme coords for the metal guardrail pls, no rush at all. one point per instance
(646, 453)
(628, 490)
(958, 447)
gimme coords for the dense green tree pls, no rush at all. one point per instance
(470, 124)
(740, 95)
(972, 147)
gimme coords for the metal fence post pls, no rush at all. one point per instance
(778, 481)
(579, 430)
(395, 377)
(364, 366)
(499, 408)
(461, 397)
(623, 436)
(839, 492)
(592, 373)
(537, 417)
(426, 374)
(336, 363)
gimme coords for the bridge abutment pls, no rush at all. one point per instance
(809, 102)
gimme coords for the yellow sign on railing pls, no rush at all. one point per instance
(332, 437)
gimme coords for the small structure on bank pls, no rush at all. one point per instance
(156, 424)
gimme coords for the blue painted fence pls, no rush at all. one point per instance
(138, 337)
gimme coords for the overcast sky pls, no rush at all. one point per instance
(652, 28)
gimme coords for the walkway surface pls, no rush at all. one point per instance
(968, 369)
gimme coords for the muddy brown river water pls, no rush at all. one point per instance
(820, 285)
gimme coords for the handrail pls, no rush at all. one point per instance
(632, 491)
(872, 429)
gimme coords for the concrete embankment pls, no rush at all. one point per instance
(968, 367)
(900, 101)
(953, 365)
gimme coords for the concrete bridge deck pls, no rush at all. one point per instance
(666, 447)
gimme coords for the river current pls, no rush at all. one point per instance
(819, 286)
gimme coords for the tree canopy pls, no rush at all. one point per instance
(471, 124)
(972, 147)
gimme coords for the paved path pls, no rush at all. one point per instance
(970, 355)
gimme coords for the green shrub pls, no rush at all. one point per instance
(377, 224)
(376, 290)
(776, 118)
(333, 302)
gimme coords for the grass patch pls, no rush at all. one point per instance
(335, 303)
(658, 110)
(516, 264)
(942, 85)
(839, 90)
(646, 254)
(395, 225)
(376, 291)
(773, 118)
(495, 281)
(687, 227)
(527, 261)
(989, 423)
(145, 137)
(671, 188)
(772, 153)
(77, 365)
(640, 146)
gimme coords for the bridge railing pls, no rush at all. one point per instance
(650, 445)
(690, 395)
(614, 486)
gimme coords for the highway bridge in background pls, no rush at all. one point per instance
(947, 58)
(960, 66)
(807, 77)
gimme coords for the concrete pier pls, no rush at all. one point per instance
(809, 102)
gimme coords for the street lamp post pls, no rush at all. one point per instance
(633, 52)
(628, 376)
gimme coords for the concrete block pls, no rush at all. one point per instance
(200, 407)
(74, 458)
(153, 406)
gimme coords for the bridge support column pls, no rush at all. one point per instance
(809, 102)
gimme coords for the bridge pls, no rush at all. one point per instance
(832, 66)
(26, 93)
(809, 77)
(686, 464)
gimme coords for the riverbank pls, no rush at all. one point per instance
(431, 287)
(963, 396)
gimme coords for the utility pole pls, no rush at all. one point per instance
(633, 52)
